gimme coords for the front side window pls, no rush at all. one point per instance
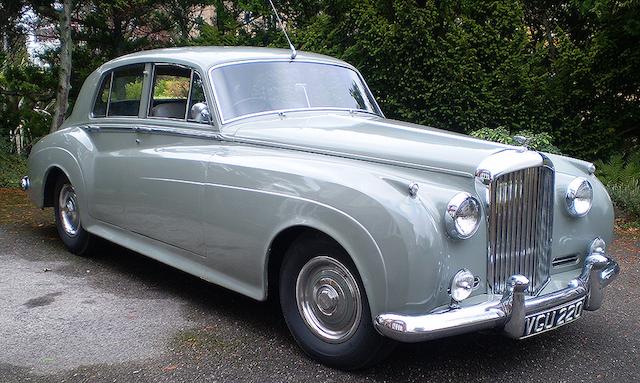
(176, 90)
(259, 87)
(197, 99)
(170, 91)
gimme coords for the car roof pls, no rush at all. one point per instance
(208, 56)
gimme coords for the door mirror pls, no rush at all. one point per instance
(200, 113)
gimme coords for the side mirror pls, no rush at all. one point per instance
(200, 113)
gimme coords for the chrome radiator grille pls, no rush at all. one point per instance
(520, 227)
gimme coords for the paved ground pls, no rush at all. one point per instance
(120, 317)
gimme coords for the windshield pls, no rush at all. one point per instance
(257, 87)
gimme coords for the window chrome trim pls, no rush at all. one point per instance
(146, 107)
(106, 111)
(224, 121)
(186, 107)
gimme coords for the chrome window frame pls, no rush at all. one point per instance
(224, 121)
(145, 99)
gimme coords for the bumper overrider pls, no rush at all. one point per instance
(508, 312)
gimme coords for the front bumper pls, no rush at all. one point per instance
(507, 312)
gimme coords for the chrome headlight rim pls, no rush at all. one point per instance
(453, 213)
(575, 190)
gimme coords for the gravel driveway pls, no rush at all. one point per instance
(120, 317)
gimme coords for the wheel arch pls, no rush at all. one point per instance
(45, 166)
(357, 243)
(49, 184)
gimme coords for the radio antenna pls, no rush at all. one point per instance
(284, 30)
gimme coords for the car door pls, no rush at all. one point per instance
(112, 132)
(165, 180)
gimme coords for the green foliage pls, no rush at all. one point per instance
(621, 175)
(564, 73)
(133, 90)
(26, 95)
(619, 168)
(537, 141)
(171, 87)
(12, 169)
(626, 197)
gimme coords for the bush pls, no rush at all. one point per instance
(621, 175)
(12, 169)
(626, 197)
(536, 141)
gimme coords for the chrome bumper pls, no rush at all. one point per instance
(508, 312)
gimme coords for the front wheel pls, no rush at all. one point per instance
(68, 223)
(325, 306)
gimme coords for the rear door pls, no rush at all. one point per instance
(112, 131)
(165, 182)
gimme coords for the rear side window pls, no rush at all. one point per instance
(120, 92)
(126, 91)
(100, 107)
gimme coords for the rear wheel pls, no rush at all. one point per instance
(68, 222)
(325, 305)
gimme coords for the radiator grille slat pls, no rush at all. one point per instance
(520, 227)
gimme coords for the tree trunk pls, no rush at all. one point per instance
(64, 74)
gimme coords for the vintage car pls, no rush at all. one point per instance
(280, 177)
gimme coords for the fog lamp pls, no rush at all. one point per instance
(461, 285)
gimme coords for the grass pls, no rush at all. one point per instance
(12, 168)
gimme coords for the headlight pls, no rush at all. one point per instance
(579, 197)
(462, 217)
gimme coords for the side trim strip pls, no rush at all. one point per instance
(194, 133)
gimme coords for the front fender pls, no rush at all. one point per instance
(351, 235)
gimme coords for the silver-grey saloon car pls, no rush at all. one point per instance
(280, 178)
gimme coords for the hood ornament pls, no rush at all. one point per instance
(522, 140)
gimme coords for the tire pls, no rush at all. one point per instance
(317, 281)
(76, 239)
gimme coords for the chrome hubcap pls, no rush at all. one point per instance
(328, 299)
(69, 216)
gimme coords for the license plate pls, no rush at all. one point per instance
(553, 318)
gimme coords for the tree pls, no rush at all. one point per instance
(64, 69)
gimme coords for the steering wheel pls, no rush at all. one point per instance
(250, 105)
